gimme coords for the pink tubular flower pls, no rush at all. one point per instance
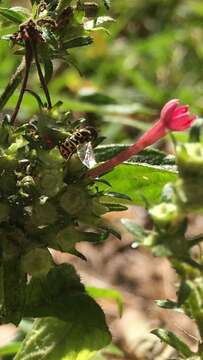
(173, 117)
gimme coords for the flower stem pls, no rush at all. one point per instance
(148, 138)
(41, 76)
(28, 61)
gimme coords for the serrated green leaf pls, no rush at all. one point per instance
(140, 181)
(171, 339)
(15, 14)
(81, 329)
(77, 339)
(77, 42)
(106, 293)
(148, 156)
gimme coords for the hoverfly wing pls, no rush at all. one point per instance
(86, 154)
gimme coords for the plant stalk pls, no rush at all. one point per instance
(28, 61)
(41, 76)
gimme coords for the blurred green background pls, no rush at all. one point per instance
(153, 52)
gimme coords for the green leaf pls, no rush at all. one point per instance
(140, 181)
(18, 144)
(108, 294)
(171, 339)
(116, 195)
(7, 31)
(48, 69)
(45, 57)
(67, 238)
(77, 339)
(114, 206)
(37, 97)
(10, 349)
(149, 156)
(166, 304)
(16, 14)
(78, 41)
(62, 4)
(80, 328)
(134, 228)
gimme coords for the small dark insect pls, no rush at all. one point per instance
(80, 137)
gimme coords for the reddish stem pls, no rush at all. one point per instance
(41, 76)
(28, 61)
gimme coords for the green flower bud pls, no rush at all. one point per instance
(190, 160)
(97, 208)
(189, 188)
(43, 214)
(74, 200)
(51, 181)
(37, 262)
(50, 158)
(4, 211)
(74, 165)
(68, 237)
(166, 214)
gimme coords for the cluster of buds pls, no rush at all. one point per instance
(28, 31)
(189, 191)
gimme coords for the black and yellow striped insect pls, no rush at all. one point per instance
(79, 142)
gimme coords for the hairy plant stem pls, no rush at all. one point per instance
(41, 76)
(148, 138)
(28, 61)
(12, 84)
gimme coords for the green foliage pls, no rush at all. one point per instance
(168, 238)
(77, 317)
(171, 339)
(49, 202)
(141, 183)
(52, 339)
(15, 14)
